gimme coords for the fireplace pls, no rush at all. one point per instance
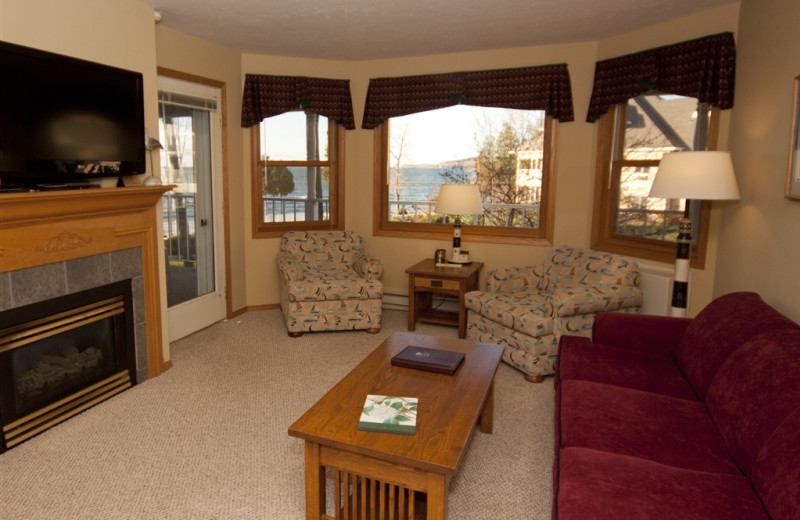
(61, 356)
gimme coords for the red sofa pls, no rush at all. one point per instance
(674, 418)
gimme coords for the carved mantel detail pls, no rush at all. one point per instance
(62, 242)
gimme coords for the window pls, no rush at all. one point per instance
(508, 153)
(633, 137)
(297, 179)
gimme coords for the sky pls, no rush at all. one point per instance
(438, 135)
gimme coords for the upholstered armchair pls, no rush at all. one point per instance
(528, 309)
(329, 282)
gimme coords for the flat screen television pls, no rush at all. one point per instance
(67, 121)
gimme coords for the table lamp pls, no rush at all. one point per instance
(692, 176)
(457, 200)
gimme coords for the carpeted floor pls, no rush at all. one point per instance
(208, 439)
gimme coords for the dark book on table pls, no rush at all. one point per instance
(429, 359)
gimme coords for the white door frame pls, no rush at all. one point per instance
(190, 316)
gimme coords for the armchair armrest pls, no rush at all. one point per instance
(508, 278)
(289, 267)
(368, 266)
(639, 331)
(582, 298)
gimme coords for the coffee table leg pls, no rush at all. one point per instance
(437, 496)
(315, 483)
(487, 414)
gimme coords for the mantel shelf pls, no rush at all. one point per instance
(43, 206)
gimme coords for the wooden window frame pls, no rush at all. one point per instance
(611, 127)
(502, 235)
(336, 139)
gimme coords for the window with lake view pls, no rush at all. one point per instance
(506, 152)
(295, 178)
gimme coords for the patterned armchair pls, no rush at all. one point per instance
(328, 282)
(528, 309)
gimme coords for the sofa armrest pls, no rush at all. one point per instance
(289, 267)
(639, 331)
(582, 298)
(505, 279)
(368, 266)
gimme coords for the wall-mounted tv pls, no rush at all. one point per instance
(66, 120)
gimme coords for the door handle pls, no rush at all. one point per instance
(203, 222)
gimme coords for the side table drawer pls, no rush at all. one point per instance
(436, 283)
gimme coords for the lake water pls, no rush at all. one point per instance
(417, 184)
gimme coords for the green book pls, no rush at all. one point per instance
(389, 414)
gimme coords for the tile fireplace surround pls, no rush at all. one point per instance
(59, 242)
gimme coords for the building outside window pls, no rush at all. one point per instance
(633, 137)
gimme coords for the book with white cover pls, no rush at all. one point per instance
(389, 414)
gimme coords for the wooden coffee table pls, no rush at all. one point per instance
(385, 475)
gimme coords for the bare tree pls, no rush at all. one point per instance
(397, 150)
(496, 163)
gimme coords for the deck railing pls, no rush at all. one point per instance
(179, 212)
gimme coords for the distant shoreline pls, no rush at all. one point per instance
(462, 163)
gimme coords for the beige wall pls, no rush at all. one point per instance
(576, 145)
(759, 245)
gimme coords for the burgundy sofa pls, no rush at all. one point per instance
(675, 418)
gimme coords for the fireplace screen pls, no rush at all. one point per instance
(59, 357)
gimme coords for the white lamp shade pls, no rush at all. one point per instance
(459, 199)
(695, 176)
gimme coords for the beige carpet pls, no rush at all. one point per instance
(208, 439)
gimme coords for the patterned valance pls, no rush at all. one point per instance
(266, 96)
(545, 88)
(704, 68)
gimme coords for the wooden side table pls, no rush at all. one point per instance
(426, 279)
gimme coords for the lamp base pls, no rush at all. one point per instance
(680, 286)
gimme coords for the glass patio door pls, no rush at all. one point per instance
(188, 129)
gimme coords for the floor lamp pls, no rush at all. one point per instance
(692, 176)
(458, 199)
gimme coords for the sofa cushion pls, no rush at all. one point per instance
(718, 330)
(596, 485)
(646, 370)
(756, 389)
(526, 311)
(776, 472)
(664, 429)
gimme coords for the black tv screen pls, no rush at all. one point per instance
(67, 120)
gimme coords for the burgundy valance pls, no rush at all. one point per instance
(704, 68)
(545, 88)
(266, 96)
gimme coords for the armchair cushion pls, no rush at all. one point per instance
(507, 279)
(521, 310)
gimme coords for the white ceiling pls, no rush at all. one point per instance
(375, 29)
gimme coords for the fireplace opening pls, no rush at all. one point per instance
(62, 356)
